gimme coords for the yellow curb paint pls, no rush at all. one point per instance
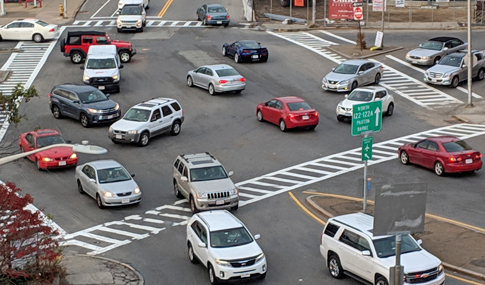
(305, 209)
(165, 8)
(463, 279)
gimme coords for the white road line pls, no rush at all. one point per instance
(338, 37)
(95, 13)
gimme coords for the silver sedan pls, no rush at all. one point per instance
(216, 79)
(108, 182)
(432, 51)
(351, 74)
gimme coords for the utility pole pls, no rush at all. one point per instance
(65, 9)
(469, 53)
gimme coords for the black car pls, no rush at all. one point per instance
(85, 103)
(245, 51)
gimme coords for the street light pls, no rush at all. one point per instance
(82, 148)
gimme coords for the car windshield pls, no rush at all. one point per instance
(216, 10)
(92, 96)
(298, 106)
(456, 146)
(346, 69)
(451, 61)
(207, 173)
(101, 63)
(386, 247)
(226, 72)
(432, 45)
(250, 44)
(49, 140)
(137, 115)
(230, 237)
(42, 23)
(131, 10)
(112, 175)
(360, 95)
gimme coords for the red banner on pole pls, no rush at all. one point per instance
(341, 9)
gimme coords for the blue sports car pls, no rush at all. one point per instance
(245, 51)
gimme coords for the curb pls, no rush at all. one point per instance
(460, 118)
(365, 56)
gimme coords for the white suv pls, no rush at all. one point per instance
(349, 247)
(146, 120)
(224, 245)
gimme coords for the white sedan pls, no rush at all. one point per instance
(363, 95)
(29, 29)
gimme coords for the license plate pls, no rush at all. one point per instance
(415, 61)
(255, 56)
(219, 22)
(64, 163)
(110, 117)
(125, 200)
(332, 86)
(469, 160)
(119, 136)
(245, 275)
(305, 117)
(220, 202)
(348, 114)
(101, 87)
(434, 80)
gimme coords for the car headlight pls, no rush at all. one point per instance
(223, 263)
(133, 132)
(73, 155)
(138, 21)
(440, 269)
(47, 159)
(340, 104)
(94, 110)
(86, 78)
(445, 74)
(344, 82)
(324, 80)
(408, 55)
(137, 190)
(203, 195)
(118, 22)
(235, 191)
(115, 77)
(261, 256)
(424, 57)
(117, 107)
(110, 129)
(108, 194)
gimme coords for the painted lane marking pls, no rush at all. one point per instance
(95, 13)
(108, 22)
(165, 8)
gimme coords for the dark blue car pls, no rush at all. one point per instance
(245, 51)
(85, 103)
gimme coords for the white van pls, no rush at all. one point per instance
(102, 68)
(146, 3)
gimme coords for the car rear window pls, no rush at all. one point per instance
(456, 146)
(216, 10)
(227, 72)
(299, 106)
(42, 23)
(175, 106)
(251, 44)
(331, 229)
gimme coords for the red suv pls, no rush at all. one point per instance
(77, 43)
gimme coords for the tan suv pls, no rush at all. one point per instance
(202, 179)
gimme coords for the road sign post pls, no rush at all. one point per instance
(366, 118)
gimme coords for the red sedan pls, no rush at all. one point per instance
(288, 112)
(445, 154)
(58, 157)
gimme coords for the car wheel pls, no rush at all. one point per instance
(204, 22)
(390, 109)
(311, 128)
(283, 125)
(212, 91)
(404, 157)
(334, 267)
(340, 118)
(381, 281)
(262, 276)
(190, 82)
(225, 25)
(56, 112)
(37, 163)
(238, 91)
(37, 38)
(176, 190)
(480, 75)
(235, 207)
(84, 120)
(99, 202)
(76, 57)
(125, 56)
(455, 81)
(259, 115)
(118, 89)
(354, 85)
(120, 30)
(197, 14)
(193, 207)
(224, 51)
(236, 58)
(436, 60)
(190, 252)
(377, 79)
(115, 141)
(176, 127)
(144, 139)
(439, 169)
(80, 187)
(212, 275)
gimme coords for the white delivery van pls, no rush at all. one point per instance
(102, 68)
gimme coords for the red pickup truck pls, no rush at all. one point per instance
(77, 43)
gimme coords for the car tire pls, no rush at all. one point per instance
(259, 115)
(176, 127)
(212, 275)
(83, 118)
(436, 60)
(120, 30)
(99, 202)
(283, 125)
(190, 81)
(354, 85)
(192, 205)
(37, 163)
(235, 207)
(80, 187)
(381, 281)
(115, 141)
(118, 89)
(76, 57)
(191, 254)
(38, 38)
(262, 276)
(144, 139)
(204, 22)
(439, 168)
(404, 157)
(334, 267)
(340, 118)
(480, 75)
(236, 58)
(211, 89)
(454, 82)
(176, 190)
(224, 52)
(125, 56)
(225, 25)
(311, 128)
(56, 112)
(377, 78)
(238, 91)
(390, 109)
(197, 14)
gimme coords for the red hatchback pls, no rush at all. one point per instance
(58, 157)
(288, 112)
(445, 154)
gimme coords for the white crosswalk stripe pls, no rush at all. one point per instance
(150, 23)
(392, 79)
(253, 190)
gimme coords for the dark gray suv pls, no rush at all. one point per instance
(84, 103)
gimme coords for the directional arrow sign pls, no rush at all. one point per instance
(366, 118)
(367, 148)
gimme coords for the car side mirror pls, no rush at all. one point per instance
(75, 101)
(184, 179)
(464, 65)
(257, 236)
(360, 72)
(445, 48)
(231, 173)
(366, 253)
(107, 95)
(92, 180)
(132, 175)
(121, 66)
(81, 67)
(333, 68)
(202, 244)
(346, 96)
(420, 45)
(420, 241)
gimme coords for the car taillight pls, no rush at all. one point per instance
(222, 81)
(455, 159)
(242, 79)
(316, 114)
(52, 30)
(227, 16)
(291, 116)
(264, 50)
(246, 50)
(208, 17)
(50, 95)
(478, 156)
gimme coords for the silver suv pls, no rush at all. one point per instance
(202, 179)
(146, 120)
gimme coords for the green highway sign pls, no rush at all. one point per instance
(366, 118)
(367, 148)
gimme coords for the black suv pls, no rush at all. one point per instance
(84, 103)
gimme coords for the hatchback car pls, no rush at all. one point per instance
(432, 51)
(245, 51)
(445, 154)
(217, 79)
(57, 157)
(213, 14)
(223, 244)
(351, 74)
(108, 182)
(363, 95)
(84, 103)
(29, 29)
(288, 112)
